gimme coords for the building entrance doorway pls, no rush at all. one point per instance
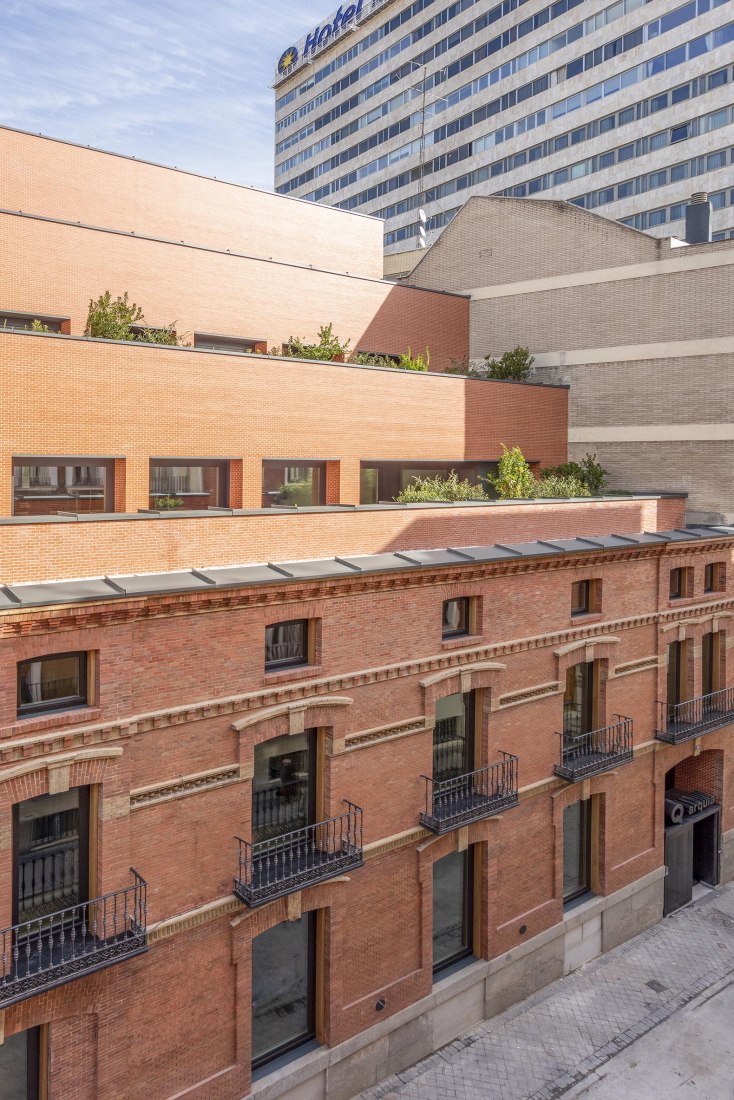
(692, 845)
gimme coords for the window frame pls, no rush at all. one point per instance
(468, 626)
(714, 577)
(63, 703)
(58, 462)
(588, 606)
(468, 911)
(680, 583)
(586, 837)
(291, 662)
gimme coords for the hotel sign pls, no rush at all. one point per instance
(346, 17)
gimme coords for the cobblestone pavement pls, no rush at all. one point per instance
(555, 1039)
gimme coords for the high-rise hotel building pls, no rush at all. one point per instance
(404, 108)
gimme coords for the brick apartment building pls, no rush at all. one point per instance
(639, 327)
(290, 796)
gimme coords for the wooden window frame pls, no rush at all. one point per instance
(592, 588)
(470, 617)
(714, 577)
(309, 647)
(680, 583)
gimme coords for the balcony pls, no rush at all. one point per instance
(586, 754)
(278, 866)
(470, 797)
(51, 950)
(679, 722)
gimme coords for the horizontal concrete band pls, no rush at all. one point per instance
(629, 353)
(678, 263)
(652, 433)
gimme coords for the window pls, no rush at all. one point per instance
(57, 682)
(283, 988)
(710, 662)
(286, 644)
(44, 486)
(453, 736)
(21, 1065)
(293, 483)
(456, 617)
(714, 577)
(579, 701)
(51, 844)
(576, 850)
(681, 583)
(189, 483)
(585, 597)
(386, 480)
(24, 322)
(677, 686)
(452, 909)
(235, 344)
(283, 787)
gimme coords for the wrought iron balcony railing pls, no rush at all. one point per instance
(470, 797)
(280, 865)
(54, 949)
(585, 754)
(680, 721)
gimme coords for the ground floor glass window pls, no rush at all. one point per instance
(452, 909)
(283, 985)
(576, 850)
(19, 1066)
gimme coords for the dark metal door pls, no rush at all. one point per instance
(679, 865)
(706, 849)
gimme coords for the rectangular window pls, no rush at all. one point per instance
(45, 486)
(283, 988)
(714, 577)
(234, 344)
(585, 597)
(452, 909)
(710, 662)
(283, 787)
(385, 481)
(453, 736)
(51, 844)
(29, 322)
(20, 1066)
(286, 644)
(578, 701)
(576, 850)
(52, 683)
(677, 687)
(293, 483)
(680, 583)
(188, 483)
(456, 616)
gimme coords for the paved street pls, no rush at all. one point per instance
(648, 1021)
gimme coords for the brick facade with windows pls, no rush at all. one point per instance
(214, 854)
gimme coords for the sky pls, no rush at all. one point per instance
(180, 82)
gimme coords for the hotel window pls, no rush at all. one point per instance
(453, 736)
(293, 482)
(235, 344)
(57, 682)
(453, 905)
(189, 483)
(283, 988)
(283, 786)
(681, 583)
(286, 644)
(577, 847)
(585, 597)
(714, 577)
(456, 619)
(45, 486)
(24, 322)
(51, 854)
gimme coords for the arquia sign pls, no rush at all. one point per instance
(345, 16)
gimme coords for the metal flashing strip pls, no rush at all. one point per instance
(17, 597)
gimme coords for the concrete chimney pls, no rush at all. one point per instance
(698, 219)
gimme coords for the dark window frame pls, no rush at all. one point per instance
(221, 465)
(309, 1034)
(62, 703)
(63, 462)
(54, 324)
(303, 659)
(235, 345)
(468, 903)
(465, 618)
(586, 850)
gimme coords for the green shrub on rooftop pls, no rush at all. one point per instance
(449, 488)
(111, 318)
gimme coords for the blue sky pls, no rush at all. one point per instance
(182, 82)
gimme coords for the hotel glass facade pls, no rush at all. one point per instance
(406, 109)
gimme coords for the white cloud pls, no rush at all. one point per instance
(175, 81)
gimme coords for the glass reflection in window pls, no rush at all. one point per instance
(452, 909)
(283, 1003)
(282, 787)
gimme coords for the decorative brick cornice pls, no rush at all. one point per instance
(630, 667)
(385, 733)
(184, 922)
(58, 618)
(289, 709)
(513, 698)
(185, 785)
